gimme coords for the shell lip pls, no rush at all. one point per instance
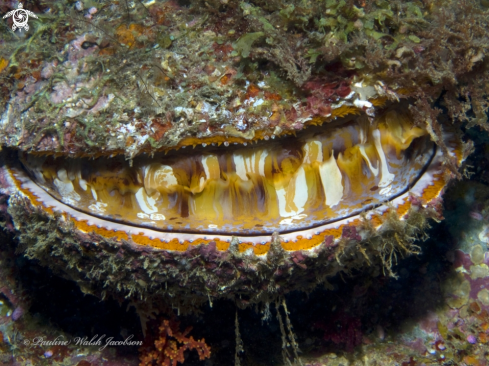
(218, 140)
(428, 172)
(426, 191)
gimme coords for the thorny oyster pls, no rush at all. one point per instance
(312, 144)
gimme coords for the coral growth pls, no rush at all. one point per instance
(168, 347)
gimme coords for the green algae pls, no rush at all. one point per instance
(244, 44)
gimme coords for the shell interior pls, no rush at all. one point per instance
(325, 174)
